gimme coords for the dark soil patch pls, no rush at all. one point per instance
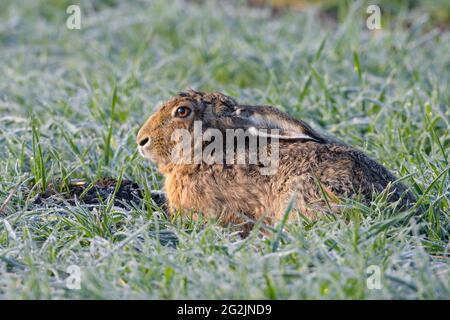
(97, 193)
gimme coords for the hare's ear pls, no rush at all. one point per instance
(263, 120)
(281, 134)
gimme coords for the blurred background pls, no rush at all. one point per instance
(438, 11)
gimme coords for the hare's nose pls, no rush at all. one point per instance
(144, 141)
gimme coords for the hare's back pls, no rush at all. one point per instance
(339, 168)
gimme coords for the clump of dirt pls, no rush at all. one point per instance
(97, 193)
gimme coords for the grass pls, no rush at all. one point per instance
(71, 102)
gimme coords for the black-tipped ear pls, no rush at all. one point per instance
(268, 118)
(281, 134)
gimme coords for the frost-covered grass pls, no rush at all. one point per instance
(386, 93)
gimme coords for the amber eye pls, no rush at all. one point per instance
(182, 112)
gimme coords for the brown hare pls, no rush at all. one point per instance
(311, 172)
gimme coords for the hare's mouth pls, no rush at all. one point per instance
(141, 151)
(144, 154)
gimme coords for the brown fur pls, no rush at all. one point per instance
(308, 168)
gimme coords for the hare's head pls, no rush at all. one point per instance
(155, 138)
(213, 111)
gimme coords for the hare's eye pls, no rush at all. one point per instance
(182, 112)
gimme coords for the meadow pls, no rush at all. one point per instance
(72, 101)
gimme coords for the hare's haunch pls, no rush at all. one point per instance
(224, 160)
